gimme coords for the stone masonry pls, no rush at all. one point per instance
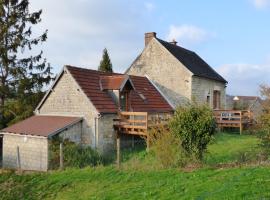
(33, 152)
(165, 71)
(67, 99)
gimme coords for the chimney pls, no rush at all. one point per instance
(173, 42)
(148, 37)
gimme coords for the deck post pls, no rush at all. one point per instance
(18, 159)
(118, 148)
(147, 133)
(241, 124)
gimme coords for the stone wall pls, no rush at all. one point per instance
(106, 136)
(202, 87)
(165, 71)
(73, 133)
(66, 99)
(33, 152)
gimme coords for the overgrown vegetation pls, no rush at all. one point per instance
(74, 155)
(264, 120)
(195, 126)
(167, 148)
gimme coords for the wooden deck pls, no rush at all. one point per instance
(233, 118)
(134, 123)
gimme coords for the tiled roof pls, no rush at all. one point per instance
(192, 61)
(111, 82)
(40, 125)
(89, 81)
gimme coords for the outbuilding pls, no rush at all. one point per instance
(25, 145)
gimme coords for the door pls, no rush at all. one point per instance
(216, 99)
(1, 150)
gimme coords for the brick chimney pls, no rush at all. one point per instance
(173, 42)
(148, 37)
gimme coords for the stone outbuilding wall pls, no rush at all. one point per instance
(33, 152)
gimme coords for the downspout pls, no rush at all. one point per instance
(96, 128)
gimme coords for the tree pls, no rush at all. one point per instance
(105, 64)
(22, 75)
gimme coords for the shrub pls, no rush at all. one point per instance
(167, 148)
(194, 125)
(264, 120)
(74, 155)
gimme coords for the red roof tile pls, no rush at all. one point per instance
(41, 125)
(112, 82)
(90, 82)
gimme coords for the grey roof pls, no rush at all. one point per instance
(192, 61)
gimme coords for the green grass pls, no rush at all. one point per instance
(109, 183)
(227, 148)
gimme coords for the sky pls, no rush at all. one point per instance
(232, 36)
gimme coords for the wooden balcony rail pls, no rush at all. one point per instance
(233, 118)
(134, 123)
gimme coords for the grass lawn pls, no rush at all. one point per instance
(110, 183)
(227, 148)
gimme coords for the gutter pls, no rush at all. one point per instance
(96, 129)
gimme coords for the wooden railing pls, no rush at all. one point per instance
(134, 123)
(233, 118)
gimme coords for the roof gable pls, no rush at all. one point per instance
(192, 61)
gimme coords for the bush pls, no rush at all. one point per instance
(194, 125)
(74, 155)
(167, 148)
(264, 120)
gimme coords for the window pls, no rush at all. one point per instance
(216, 99)
(208, 100)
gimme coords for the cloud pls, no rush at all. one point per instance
(79, 30)
(244, 79)
(261, 4)
(187, 34)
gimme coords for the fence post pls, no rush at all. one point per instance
(61, 156)
(18, 159)
(118, 154)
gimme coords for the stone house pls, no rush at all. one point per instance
(179, 74)
(80, 106)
